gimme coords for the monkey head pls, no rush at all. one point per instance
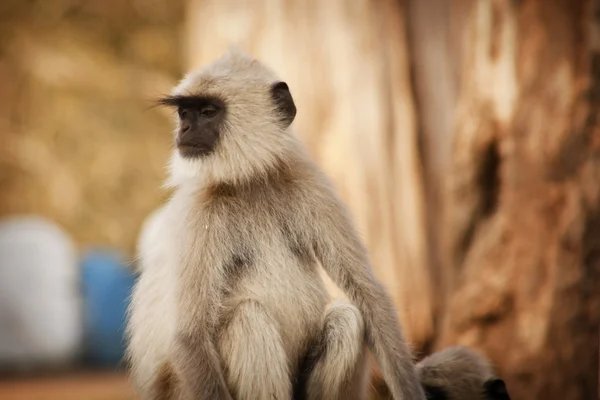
(458, 373)
(233, 117)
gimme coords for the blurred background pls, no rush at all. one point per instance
(463, 134)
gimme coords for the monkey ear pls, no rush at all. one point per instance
(283, 102)
(495, 389)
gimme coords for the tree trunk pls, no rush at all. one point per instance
(434, 28)
(518, 162)
(347, 67)
(523, 202)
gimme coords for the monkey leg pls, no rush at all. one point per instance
(256, 363)
(338, 364)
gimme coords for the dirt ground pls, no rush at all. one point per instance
(79, 386)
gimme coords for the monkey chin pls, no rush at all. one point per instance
(190, 151)
(184, 168)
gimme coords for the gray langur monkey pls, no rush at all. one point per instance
(229, 303)
(459, 373)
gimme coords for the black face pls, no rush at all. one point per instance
(495, 389)
(201, 120)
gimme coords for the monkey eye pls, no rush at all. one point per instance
(209, 111)
(182, 112)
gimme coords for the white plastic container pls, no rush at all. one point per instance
(40, 302)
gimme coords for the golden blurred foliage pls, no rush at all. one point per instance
(79, 141)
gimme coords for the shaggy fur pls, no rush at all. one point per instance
(230, 303)
(458, 373)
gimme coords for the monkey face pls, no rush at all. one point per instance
(202, 119)
(233, 118)
(200, 124)
(493, 389)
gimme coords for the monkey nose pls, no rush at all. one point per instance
(185, 126)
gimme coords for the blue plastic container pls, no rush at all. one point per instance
(107, 285)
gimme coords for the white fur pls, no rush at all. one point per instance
(153, 302)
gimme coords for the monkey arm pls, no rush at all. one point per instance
(345, 260)
(196, 358)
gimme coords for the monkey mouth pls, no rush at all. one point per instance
(191, 150)
(182, 146)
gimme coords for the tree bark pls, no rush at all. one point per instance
(435, 28)
(347, 67)
(523, 200)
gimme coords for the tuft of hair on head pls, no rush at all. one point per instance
(234, 117)
(460, 373)
(237, 50)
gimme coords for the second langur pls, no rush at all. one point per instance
(230, 304)
(459, 373)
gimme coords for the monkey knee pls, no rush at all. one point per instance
(257, 365)
(252, 331)
(338, 361)
(343, 326)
